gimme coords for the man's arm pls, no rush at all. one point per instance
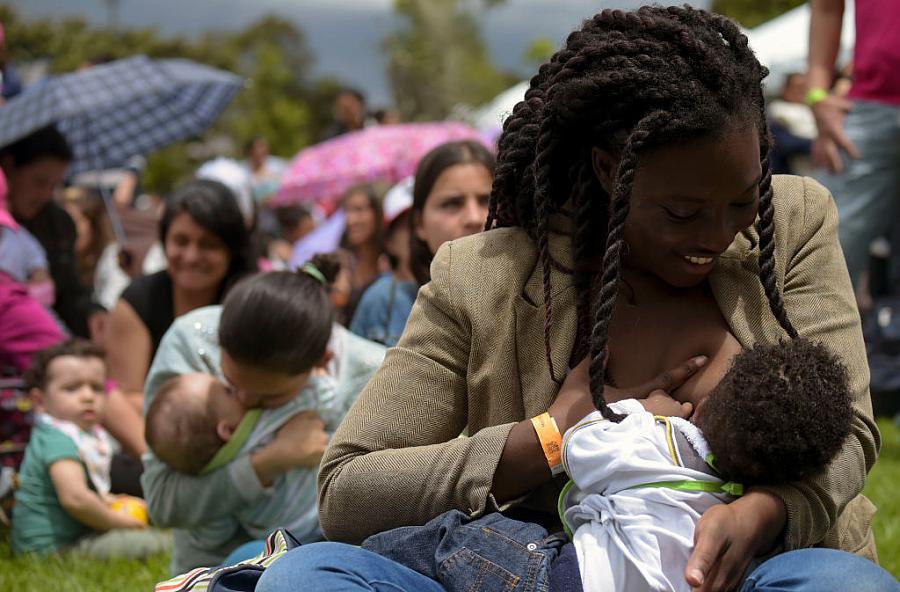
(826, 20)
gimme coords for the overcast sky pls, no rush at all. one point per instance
(345, 35)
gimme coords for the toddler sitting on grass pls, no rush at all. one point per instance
(63, 500)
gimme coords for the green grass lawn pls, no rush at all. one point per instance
(78, 574)
(882, 489)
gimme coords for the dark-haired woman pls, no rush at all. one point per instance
(635, 225)
(274, 341)
(449, 201)
(205, 241)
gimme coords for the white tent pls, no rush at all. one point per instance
(491, 116)
(782, 43)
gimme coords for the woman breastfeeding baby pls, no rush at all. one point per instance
(239, 403)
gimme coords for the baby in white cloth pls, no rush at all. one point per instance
(639, 486)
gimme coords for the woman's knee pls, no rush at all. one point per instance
(819, 570)
(303, 564)
(327, 567)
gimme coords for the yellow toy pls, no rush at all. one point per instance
(133, 506)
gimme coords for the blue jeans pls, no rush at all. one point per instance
(332, 567)
(247, 551)
(867, 192)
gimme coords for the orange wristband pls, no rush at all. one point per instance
(551, 440)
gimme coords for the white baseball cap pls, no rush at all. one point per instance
(398, 200)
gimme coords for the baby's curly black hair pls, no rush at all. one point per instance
(781, 413)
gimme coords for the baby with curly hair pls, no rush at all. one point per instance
(639, 486)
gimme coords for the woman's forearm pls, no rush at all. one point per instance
(361, 493)
(522, 465)
(770, 516)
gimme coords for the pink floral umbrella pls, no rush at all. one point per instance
(320, 174)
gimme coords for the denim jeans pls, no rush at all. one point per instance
(336, 567)
(490, 562)
(493, 552)
(867, 192)
(247, 551)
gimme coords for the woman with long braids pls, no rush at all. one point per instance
(634, 224)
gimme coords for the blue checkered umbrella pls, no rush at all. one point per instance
(114, 111)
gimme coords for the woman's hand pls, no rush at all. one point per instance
(729, 536)
(574, 399)
(300, 442)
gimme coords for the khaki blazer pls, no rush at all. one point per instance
(473, 355)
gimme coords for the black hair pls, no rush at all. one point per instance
(625, 82)
(353, 92)
(428, 170)
(290, 216)
(46, 142)
(213, 206)
(280, 321)
(779, 414)
(38, 375)
(249, 144)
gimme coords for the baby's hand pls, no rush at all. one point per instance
(125, 521)
(131, 511)
(659, 402)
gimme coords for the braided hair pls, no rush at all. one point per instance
(625, 82)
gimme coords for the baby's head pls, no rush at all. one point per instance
(190, 419)
(67, 382)
(780, 413)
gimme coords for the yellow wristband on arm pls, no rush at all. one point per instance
(815, 95)
(551, 441)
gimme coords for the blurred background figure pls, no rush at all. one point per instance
(385, 305)
(265, 170)
(294, 223)
(858, 141)
(92, 229)
(793, 127)
(349, 113)
(205, 240)
(10, 85)
(387, 116)
(361, 246)
(35, 167)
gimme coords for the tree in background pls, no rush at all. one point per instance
(280, 101)
(540, 50)
(750, 13)
(439, 60)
